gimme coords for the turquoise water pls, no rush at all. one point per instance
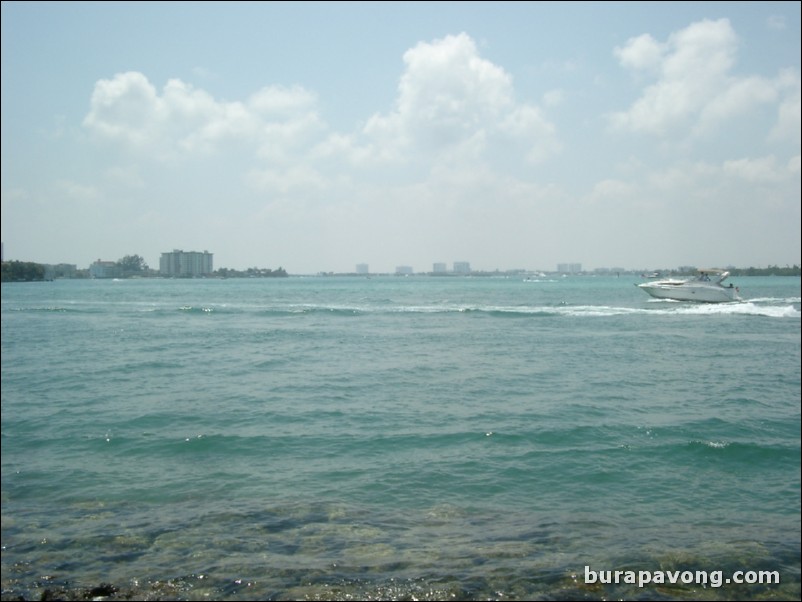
(397, 438)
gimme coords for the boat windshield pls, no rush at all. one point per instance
(712, 275)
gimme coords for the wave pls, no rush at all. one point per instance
(49, 309)
(743, 450)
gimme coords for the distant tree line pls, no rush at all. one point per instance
(769, 271)
(135, 266)
(251, 273)
(22, 271)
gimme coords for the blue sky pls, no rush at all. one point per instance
(317, 136)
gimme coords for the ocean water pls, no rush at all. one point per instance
(399, 438)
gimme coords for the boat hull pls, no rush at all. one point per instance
(700, 294)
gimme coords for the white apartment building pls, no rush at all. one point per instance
(186, 263)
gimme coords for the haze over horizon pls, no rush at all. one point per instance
(319, 136)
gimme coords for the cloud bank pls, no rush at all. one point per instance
(459, 161)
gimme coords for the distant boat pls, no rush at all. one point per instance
(536, 277)
(705, 287)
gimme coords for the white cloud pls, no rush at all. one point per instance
(760, 170)
(642, 52)
(127, 109)
(448, 91)
(452, 101)
(452, 105)
(695, 87)
(735, 99)
(789, 112)
(445, 171)
(281, 140)
(123, 108)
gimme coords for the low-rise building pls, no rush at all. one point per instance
(105, 269)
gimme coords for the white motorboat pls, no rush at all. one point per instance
(705, 287)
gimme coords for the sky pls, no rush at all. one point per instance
(315, 136)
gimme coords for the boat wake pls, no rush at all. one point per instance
(771, 308)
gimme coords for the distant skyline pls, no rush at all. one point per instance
(317, 136)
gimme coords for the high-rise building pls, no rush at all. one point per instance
(569, 268)
(186, 263)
